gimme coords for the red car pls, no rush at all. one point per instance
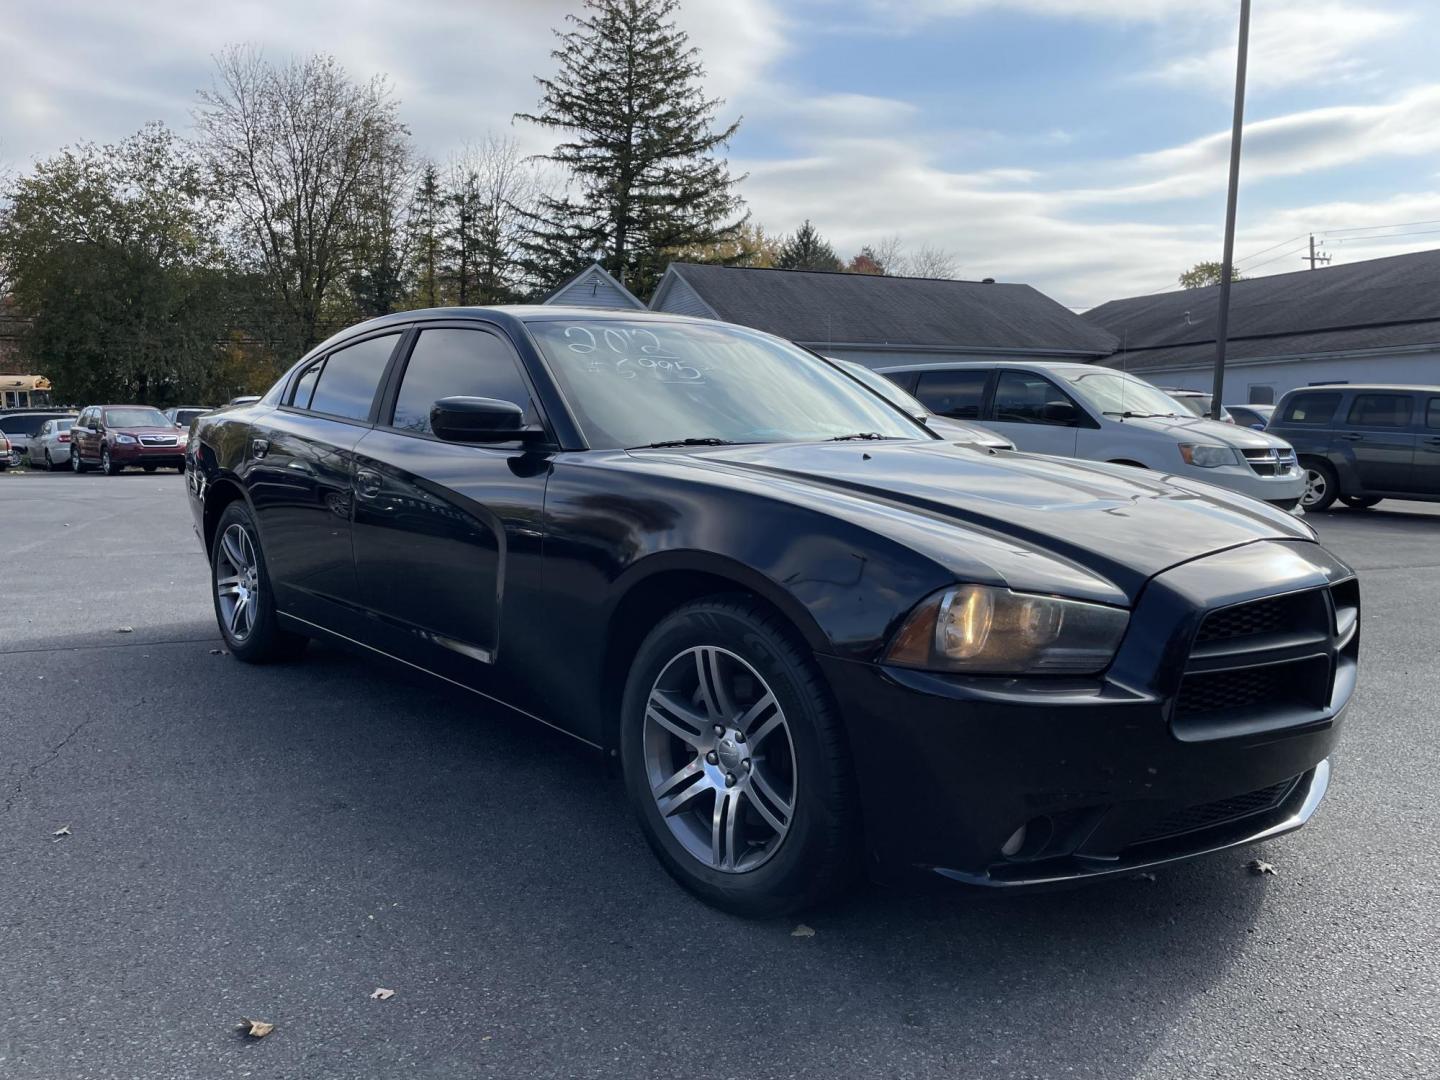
(114, 436)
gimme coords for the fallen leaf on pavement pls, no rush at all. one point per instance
(1260, 866)
(802, 931)
(125, 629)
(381, 994)
(256, 1029)
(60, 833)
(1145, 875)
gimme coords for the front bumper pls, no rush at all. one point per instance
(140, 454)
(1105, 775)
(1282, 490)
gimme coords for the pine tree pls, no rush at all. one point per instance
(807, 250)
(641, 147)
(426, 222)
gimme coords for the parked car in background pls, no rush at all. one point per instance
(8, 457)
(116, 436)
(1363, 443)
(1198, 403)
(181, 415)
(815, 636)
(244, 399)
(1252, 416)
(51, 446)
(1098, 413)
(22, 425)
(911, 406)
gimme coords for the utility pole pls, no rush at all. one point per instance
(1222, 328)
(1312, 258)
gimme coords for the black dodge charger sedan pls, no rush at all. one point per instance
(818, 638)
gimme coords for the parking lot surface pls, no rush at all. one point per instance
(185, 841)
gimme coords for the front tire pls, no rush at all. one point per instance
(244, 600)
(76, 465)
(109, 466)
(1359, 502)
(736, 763)
(1321, 486)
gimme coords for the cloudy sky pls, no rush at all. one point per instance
(1079, 145)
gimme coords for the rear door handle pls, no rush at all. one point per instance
(1352, 437)
(259, 447)
(1434, 440)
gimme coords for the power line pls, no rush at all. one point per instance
(1388, 236)
(1393, 225)
(1277, 258)
(1272, 247)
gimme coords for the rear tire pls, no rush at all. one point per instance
(757, 837)
(244, 600)
(1359, 502)
(1321, 486)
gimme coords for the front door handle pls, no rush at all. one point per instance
(1352, 437)
(1433, 440)
(259, 447)
(367, 483)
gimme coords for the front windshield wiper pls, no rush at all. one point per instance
(865, 435)
(1128, 415)
(709, 440)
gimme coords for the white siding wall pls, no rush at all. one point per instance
(681, 299)
(1240, 380)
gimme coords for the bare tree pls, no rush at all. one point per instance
(492, 194)
(931, 262)
(895, 259)
(292, 147)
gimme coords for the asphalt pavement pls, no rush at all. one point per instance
(186, 841)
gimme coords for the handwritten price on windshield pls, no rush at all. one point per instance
(632, 350)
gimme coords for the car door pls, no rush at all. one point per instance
(83, 440)
(299, 472)
(954, 393)
(1379, 437)
(1427, 450)
(447, 535)
(1034, 413)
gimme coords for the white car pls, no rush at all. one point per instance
(51, 444)
(1100, 414)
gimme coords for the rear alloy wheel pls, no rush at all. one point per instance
(1359, 502)
(1321, 486)
(107, 466)
(736, 763)
(244, 603)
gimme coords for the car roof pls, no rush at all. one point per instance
(1399, 387)
(987, 365)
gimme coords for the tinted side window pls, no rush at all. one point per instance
(348, 380)
(956, 394)
(1021, 398)
(450, 363)
(1381, 410)
(1432, 413)
(1311, 408)
(305, 385)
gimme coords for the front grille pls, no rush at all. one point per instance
(1273, 615)
(159, 440)
(1223, 691)
(1221, 812)
(1270, 461)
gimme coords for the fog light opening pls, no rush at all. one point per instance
(1012, 847)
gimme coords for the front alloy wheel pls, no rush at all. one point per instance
(719, 759)
(1321, 487)
(736, 762)
(110, 468)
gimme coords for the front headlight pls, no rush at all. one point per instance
(1206, 456)
(986, 631)
(124, 438)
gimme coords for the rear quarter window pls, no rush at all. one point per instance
(1310, 407)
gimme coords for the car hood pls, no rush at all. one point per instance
(168, 429)
(1015, 512)
(958, 431)
(1200, 429)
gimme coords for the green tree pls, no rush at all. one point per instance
(641, 147)
(806, 249)
(114, 252)
(1203, 274)
(427, 210)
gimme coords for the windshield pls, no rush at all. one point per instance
(1119, 394)
(136, 417)
(632, 384)
(1196, 406)
(885, 388)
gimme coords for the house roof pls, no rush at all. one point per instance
(820, 308)
(1376, 304)
(622, 296)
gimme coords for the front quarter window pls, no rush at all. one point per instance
(632, 384)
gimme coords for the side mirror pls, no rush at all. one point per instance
(1058, 412)
(481, 420)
